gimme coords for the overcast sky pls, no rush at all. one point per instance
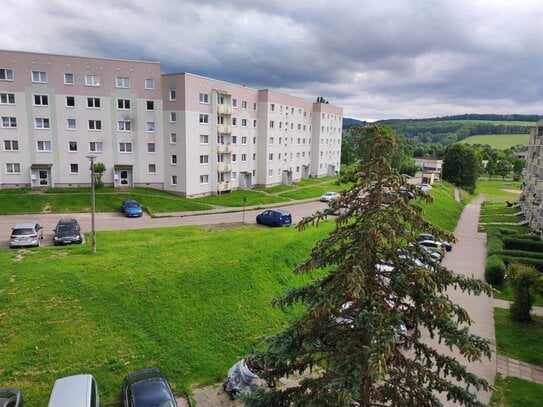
(377, 59)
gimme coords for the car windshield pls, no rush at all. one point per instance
(132, 205)
(25, 231)
(66, 226)
(152, 393)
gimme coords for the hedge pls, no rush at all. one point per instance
(494, 244)
(537, 263)
(515, 243)
(518, 253)
(494, 270)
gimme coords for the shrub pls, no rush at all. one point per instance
(494, 270)
(494, 244)
(515, 243)
(537, 263)
(526, 282)
(518, 253)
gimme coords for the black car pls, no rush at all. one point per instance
(67, 231)
(11, 398)
(146, 388)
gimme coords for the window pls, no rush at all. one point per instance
(243, 122)
(204, 118)
(13, 168)
(122, 82)
(204, 139)
(279, 158)
(41, 100)
(271, 124)
(244, 104)
(234, 102)
(71, 124)
(173, 138)
(74, 168)
(254, 140)
(174, 180)
(68, 79)
(95, 125)
(204, 159)
(244, 158)
(272, 107)
(93, 103)
(92, 80)
(41, 123)
(254, 156)
(173, 117)
(203, 98)
(243, 140)
(271, 141)
(44, 145)
(72, 146)
(150, 105)
(270, 173)
(204, 179)
(6, 74)
(150, 127)
(151, 147)
(234, 158)
(172, 94)
(151, 168)
(123, 104)
(125, 147)
(123, 125)
(299, 127)
(255, 106)
(234, 176)
(255, 123)
(11, 145)
(173, 159)
(95, 146)
(149, 83)
(270, 156)
(234, 121)
(70, 101)
(9, 122)
(7, 98)
(39, 77)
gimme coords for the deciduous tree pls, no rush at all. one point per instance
(461, 166)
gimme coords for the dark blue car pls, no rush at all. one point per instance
(147, 387)
(274, 217)
(131, 208)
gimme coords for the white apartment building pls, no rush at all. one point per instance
(532, 187)
(184, 133)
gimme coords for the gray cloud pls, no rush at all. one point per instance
(377, 59)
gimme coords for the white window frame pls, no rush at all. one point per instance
(93, 103)
(243, 140)
(204, 159)
(6, 74)
(13, 168)
(92, 80)
(43, 146)
(76, 168)
(203, 98)
(67, 75)
(244, 104)
(150, 127)
(151, 150)
(173, 180)
(150, 105)
(70, 150)
(39, 76)
(125, 147)
(234, 102)
(234, 121)
(203, 118)
(149, 83)
(272, 124)
(122, 82)
(7, 98)
(173, 159)
(11, 145)
(69, 123)
(255, 123)
(98, 147)
(42, 123)
(243, 122)
(96, 125)
(173, 138)
(66, 102)
(123, 104)
(41, 100)
(124, 125)
(204, 179)
(173, 117)
(204, 139)
(243, 158)
(172, 95)
(151, 171)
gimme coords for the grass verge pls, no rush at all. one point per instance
(515, 392)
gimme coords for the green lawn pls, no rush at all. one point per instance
(444, 211)
(514, 392)
(499, 141)
(313, 191)
(505, 292)
(498, 190)
(235, 198)
(519, 341)
(188, 300)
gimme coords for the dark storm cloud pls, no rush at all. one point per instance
(377, 59)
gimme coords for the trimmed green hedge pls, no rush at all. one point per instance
(494, 244)
(537, 263)
(516, 243)
(518, 253)
(494, 270)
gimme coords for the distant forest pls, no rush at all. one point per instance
(430, 137)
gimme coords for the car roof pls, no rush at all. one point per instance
(130, 201)
(26, 225)
(71, 391)
(67, 220)
(281, 211)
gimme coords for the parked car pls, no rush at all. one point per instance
(26, 234)
(75, 391)
(145, 388)
(433, 255)
(67, 231)
(131, 208)
(274, 217)
(329, 196)
(11, 397)
(425, 187)
(433, 245)
(427, 236)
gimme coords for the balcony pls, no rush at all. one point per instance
(224, 129)
(223, 186)
(224, 109)
(224, 148)
(224, 167)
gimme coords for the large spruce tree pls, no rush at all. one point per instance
(349, 337)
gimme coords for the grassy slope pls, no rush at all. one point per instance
(499, 141)
(514, 392)
(444, 211)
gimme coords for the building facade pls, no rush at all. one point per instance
(532, 187)
(184, 133)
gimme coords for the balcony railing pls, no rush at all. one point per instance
(224, 129)
(223, 186)
(224, 148)
(224, 109)
(224, 167)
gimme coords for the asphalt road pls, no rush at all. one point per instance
(116, 221)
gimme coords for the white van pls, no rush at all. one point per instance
(75, 391)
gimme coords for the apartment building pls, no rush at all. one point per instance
(184, 133)
(532, 187)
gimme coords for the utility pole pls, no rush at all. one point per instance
(93, 202)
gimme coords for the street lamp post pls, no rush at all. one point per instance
(93, 202)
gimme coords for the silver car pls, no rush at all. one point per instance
(26, 234)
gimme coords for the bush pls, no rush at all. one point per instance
(518, 253)
(536, 263)
(494, 244)
(494, 270)
(525, 281)
(515, 243)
